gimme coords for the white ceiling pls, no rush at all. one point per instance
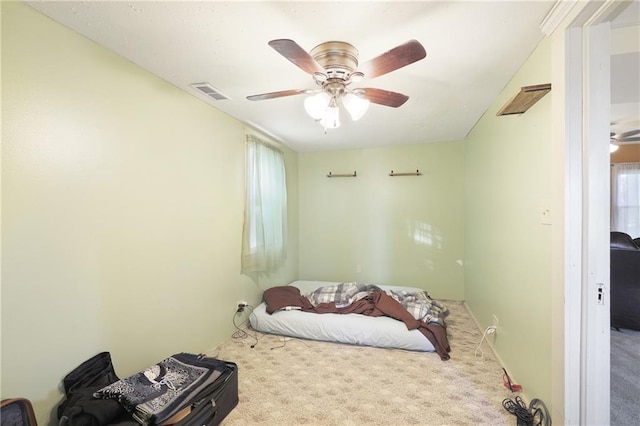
(473, 50)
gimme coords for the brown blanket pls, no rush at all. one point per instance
(376, 304)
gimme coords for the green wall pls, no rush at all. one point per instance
(122, 205)
(395, 230)
(122, 216)
(507, 248)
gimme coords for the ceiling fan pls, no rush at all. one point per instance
(334, 66)
(625, 137)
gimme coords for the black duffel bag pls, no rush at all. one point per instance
(79, 407)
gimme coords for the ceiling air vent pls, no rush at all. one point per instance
(210, 91)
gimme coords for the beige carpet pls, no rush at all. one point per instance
(302, 382)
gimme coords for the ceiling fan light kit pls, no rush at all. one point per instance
(356, 105)
(624, 138)
(317, 104)
(331, 118)
(334, 66)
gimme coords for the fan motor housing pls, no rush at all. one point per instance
(339, 58)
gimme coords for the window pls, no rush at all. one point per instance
(625, 198)
(265, 219)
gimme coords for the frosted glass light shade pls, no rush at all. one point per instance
(613, 148)
(331, 119)
(357, 106)
(316, 105)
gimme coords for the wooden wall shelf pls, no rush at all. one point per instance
(525, 99)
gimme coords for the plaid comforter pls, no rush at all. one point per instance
(419, 304)
(342, 294)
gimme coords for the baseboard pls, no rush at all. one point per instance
(522, 394)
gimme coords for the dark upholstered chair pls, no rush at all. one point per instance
(625, 282)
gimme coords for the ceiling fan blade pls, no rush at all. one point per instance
(394, 59)
(384, 97)
(297, 55)
(625, 135)
(279, 94)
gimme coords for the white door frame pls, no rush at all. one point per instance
(586, 218)
(595, 284)
(573, 229)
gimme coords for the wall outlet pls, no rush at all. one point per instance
(241, 305)
(492, 329)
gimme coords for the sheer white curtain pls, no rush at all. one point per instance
(265, 219)
(625, 198)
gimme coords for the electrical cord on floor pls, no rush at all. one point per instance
(519, 409)
(284, 343)
(540, 413)
(489, 330)
(244, 333)
(513, 387)
(536, 414)
(285, 339)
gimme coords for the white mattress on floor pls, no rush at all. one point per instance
(357, 329)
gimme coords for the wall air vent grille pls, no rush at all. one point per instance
(210, 91)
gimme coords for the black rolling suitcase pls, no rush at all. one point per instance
(17, 412)
(215, 402)
(209, 405)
